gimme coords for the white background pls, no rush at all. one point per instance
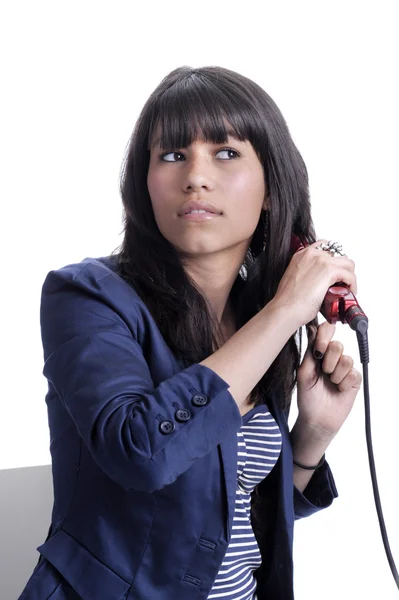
(75, 76)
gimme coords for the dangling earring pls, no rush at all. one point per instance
(243, 272)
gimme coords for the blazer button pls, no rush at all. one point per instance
(182, 415)
(166, 427)
(199, 400)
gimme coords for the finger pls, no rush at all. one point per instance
(344, 366)
(318, 243)
(325, 332)
(353, 380)
(332, 356)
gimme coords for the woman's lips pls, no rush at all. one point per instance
(203, 216)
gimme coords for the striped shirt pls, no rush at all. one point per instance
(258, 447)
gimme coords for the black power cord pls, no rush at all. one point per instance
(360, 325)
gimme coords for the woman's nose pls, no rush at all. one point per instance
(197, 174)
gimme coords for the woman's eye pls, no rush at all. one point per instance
(163, 156)
(229, 150)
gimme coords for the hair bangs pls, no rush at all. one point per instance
(196, 108)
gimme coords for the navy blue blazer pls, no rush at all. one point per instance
(144, 456)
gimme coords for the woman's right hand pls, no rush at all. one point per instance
(307, 278)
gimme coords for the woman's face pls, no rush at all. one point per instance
(228, 176)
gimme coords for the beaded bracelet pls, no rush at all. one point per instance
(322, 461)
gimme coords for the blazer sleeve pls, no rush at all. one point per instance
(96, 366)
(318, 494)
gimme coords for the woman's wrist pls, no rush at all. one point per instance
(309, 446)
(308, 443)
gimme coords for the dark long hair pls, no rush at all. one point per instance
(187, 102)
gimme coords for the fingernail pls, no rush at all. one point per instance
(317, 354)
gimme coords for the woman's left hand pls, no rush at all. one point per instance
(324, 408)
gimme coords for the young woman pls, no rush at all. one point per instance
(171, 363)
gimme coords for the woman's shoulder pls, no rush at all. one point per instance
(90, 299)
(90, 271)
(92, 267)
(87, 284)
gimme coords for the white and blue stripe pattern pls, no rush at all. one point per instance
(259, 446)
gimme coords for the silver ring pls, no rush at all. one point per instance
(334, 248)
